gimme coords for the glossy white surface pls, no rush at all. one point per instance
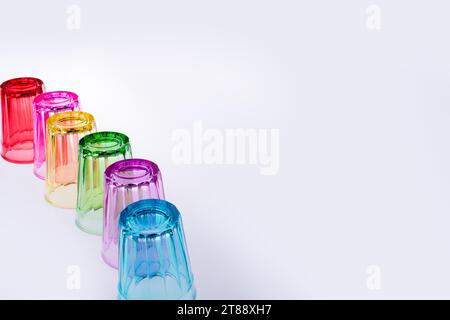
(363, 116)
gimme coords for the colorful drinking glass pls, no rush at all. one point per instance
(64, 130)
(96, 152)
(126, 181)
(17, 97)
(46, 105)
(153, 258)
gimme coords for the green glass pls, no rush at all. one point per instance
(96, 152)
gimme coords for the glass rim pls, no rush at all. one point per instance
(103, 142)
(129, 225)
(21, 85)
(149, 170)
(47, 100)
(59, 122)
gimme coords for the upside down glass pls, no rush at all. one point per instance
(126, 181)
(17, 96)
(153, 257)
(64, 130)
(96, 152)
(46, 105)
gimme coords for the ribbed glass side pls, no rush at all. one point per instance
(126, 182)
(17, 97)
(46, 105)
(64, 130)
(97, 152)
(153, 258)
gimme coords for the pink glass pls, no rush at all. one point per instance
(46, 105)
(17, 97)
(126, 182)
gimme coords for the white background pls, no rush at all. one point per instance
(364, 175)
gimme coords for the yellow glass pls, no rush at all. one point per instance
(64, 130)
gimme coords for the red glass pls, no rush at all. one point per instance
(17, 97)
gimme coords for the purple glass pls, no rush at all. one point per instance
(126, 181)
(44, 106)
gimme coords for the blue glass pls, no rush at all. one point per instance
(153, 258)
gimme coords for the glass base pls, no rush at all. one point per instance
(20, 153)
(64, 196)
(190, 295)
(91, 221)
(39, 172)
(108, 258)
(88, 229)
